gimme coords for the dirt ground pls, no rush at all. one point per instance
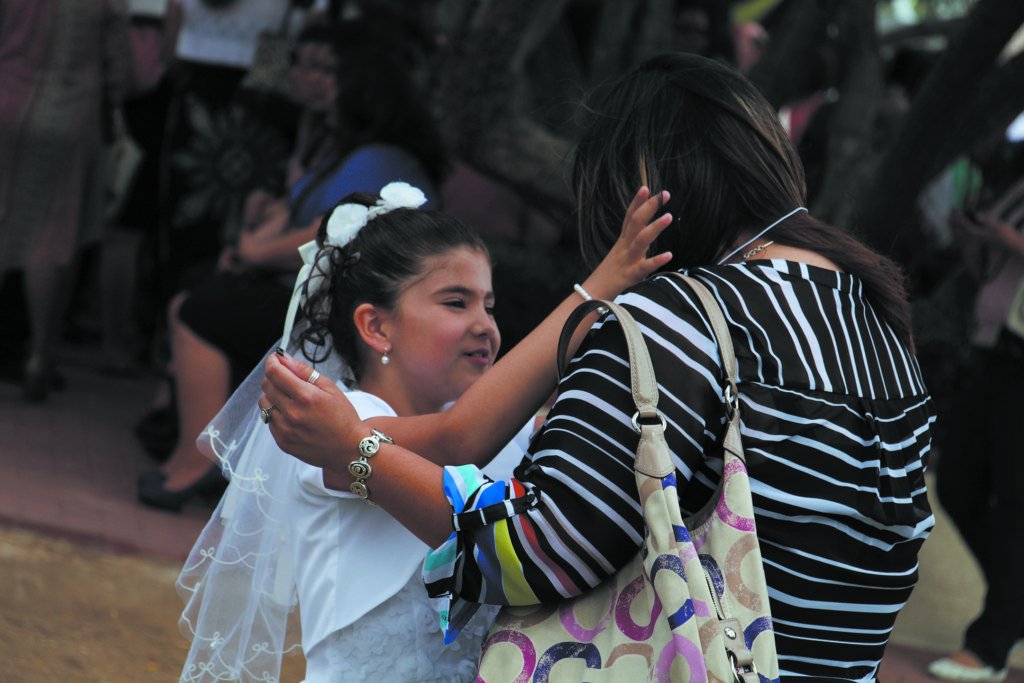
(71, 614)
(77, 615)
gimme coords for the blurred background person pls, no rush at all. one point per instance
(751, 41)
(208, 163)
(62, 65)
(980, 469)
(218, 142)
(124, 271)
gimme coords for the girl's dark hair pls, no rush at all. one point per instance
(702, 131)
(375, 268)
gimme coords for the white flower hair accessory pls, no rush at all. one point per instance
(348, 219)
(342, 227)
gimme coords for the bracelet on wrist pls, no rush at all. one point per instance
(361, 468)
(586, 297)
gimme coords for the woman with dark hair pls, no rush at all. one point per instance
(363, 126)
(836, 420)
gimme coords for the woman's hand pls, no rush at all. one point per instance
(982, 227)
(987, 230)
(262, 207)
(627, 262)
(265, 222)
(313, 422)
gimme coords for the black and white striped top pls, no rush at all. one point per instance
(836, 426)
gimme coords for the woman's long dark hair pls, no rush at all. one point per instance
(376, 267)
(379, 101)
(702, 131)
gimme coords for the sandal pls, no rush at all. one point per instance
(954, 669)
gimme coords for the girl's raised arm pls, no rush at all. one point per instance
(316, 419)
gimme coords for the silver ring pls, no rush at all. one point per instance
(314, 377)
(265, 414)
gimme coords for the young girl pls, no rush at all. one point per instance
(397, 302)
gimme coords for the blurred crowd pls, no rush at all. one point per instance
(161, 160)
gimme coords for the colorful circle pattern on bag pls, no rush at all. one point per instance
(584, 639)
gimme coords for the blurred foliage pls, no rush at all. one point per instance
(922, 10)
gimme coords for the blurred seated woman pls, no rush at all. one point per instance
(364, 126)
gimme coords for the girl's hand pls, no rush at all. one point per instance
(627, 262)
(313, 422)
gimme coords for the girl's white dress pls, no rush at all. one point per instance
(360, 570)
(279, 537)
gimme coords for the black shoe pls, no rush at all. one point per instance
(35, 387)
(157, 432)
(158, 421)
(154, 494)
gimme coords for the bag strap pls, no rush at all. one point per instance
(654, 462)
(718, 324)
(653, 457)
(644, 385)
(727, 353)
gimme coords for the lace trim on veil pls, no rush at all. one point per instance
(238, 583)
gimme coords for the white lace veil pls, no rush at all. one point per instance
(238, 582)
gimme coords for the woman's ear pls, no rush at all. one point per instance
(371, 322)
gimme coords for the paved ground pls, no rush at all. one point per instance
(68, 467)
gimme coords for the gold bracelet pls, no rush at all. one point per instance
(360, 469)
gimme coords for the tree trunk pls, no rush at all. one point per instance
(853, 122)
(482, 92)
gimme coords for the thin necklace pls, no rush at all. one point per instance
(756, 250)
(755, 237)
